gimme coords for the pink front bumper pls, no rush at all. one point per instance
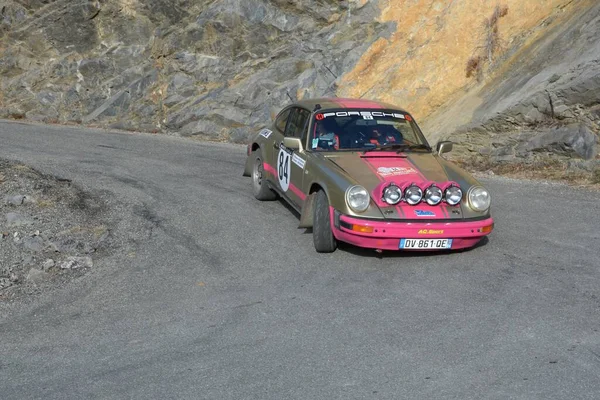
(387, 235)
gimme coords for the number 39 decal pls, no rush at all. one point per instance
(284, 169)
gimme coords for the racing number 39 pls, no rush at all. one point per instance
(284, 163)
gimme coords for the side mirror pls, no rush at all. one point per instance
(444, 147)
(292, 143)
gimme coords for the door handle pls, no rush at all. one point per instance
(276, 145)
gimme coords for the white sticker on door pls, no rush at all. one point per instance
(299, 161)
(284, 169)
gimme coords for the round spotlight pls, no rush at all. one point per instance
(453, 195)
(413, 195)
(392, 194)
(433, 195)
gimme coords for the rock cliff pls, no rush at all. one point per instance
(209, 68)
(508, 80)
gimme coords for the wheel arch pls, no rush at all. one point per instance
(306, 216)
(249, 160)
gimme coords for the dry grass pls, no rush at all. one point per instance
(548, 170)
(491, 46)
(475, 67)
(493, 42)
(45, 204)
(596, 176)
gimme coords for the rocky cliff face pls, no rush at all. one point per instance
(540, 103)
(200, 67)
(493, 76)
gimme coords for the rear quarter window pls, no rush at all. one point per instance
(282, 120)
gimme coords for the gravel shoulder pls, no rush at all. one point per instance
(51, 231)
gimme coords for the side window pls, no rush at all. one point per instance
(303, 117)
(282, 120)
(297, 123)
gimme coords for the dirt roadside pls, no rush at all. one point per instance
(51, 232)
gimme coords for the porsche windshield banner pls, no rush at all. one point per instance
(363, 114)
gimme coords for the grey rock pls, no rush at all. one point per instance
(37, 276)
(5, 271)
(48, 98)
(583, 165)
(16, 220)
(575, 140)
(502, 151)
(16, 200)
(28, 260)
(5, 283)
(34, 243)
(65, 245)
(47, 264)
(173, 100)
(77, 262)
(180, 82)
(89, 69)
(122, 125)
(27, 200)
(503, 159)
(45, 114)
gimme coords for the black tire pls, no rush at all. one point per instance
(260, 188)
(322, 233)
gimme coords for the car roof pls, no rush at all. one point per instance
(339, 102)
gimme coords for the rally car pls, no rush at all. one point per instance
(362, 172)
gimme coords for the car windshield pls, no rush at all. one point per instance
(365, 131)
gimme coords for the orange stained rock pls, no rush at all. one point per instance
(422, 65)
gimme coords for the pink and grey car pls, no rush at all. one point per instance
(362, 172)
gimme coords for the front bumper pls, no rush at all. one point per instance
(386, 235)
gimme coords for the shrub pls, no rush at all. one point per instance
(474, 66)
(492, 43)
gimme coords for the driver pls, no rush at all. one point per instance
(326, 137)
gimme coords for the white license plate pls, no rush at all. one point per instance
(426, 244)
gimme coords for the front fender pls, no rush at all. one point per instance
(334, 182)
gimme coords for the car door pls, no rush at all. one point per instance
(290, 163)
(276, 139)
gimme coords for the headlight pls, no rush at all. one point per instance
(433, 195)
(453, 195)
(392, 194)
(413, 195)
(357, 198)
(479, 198)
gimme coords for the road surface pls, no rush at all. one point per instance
(226, 299)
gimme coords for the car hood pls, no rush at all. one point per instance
(375, 170)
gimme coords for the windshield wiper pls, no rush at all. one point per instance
(421, 146)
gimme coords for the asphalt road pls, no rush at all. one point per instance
(226, 299)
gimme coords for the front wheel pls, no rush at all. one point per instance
(322, 233)
(260, 188)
